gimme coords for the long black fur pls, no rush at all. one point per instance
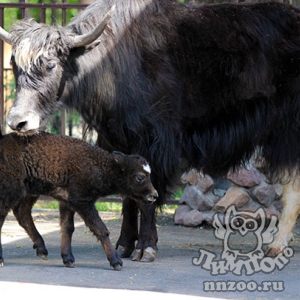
(208, 83)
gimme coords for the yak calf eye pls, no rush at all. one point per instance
(140, 178)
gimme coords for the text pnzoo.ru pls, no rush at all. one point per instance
(240, 286)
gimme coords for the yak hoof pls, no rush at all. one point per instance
(124, 251)
(137, 255)
(273, 252)
(149, 255)
(1, 264)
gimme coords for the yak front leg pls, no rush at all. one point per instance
(23, 215)
(90, 215)
(129, 230)
(146, 248)
(290, 212)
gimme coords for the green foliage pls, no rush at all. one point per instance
(10, 87)
(178, 192)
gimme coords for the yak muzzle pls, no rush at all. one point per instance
(152, 197)
(23, 123)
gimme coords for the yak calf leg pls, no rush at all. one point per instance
(23, 215)
(91, 218)
(129, 230)
(67, 230)
(2, 218)
(146, 248)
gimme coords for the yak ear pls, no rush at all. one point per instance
(118, 156)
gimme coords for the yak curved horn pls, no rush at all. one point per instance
(85, 39)
(5, 36)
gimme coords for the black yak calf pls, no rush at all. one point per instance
(74, 172)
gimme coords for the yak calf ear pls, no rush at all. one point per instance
(118, 156)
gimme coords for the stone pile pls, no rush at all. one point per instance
(246, 188)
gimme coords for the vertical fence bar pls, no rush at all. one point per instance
(63, 111)
(22, 10)
(43, 15)
(2, 127)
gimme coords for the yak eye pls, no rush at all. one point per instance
(140, 178)
(50, 66)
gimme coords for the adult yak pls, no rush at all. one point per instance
(206, 83)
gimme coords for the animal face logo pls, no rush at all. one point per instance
(244, 224)
(234, 257)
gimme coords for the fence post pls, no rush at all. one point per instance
(2, 127)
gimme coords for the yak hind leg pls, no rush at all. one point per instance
(23, 215)
(146, 248)
(129, 230)
(67, 230)
(290, 212)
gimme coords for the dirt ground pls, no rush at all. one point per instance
(172, 275)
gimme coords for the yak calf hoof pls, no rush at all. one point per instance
(70, 264)
(116, 262)
(117, 267)
(148, 255)
(41, 252)
(68, 259)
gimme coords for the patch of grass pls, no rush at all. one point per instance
(109, 206)
(101, 206)
(168, 209)
(46, 204)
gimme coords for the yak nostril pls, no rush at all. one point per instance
(20, 126)
(154, 196)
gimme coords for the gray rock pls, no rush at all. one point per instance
(195, 199)
(193, 177)
(192, 218)
(264, 194)
(235, 195)
(249, 177)
(179, 214)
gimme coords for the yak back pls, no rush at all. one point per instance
(46, 161)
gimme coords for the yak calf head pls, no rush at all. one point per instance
(136, 181)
